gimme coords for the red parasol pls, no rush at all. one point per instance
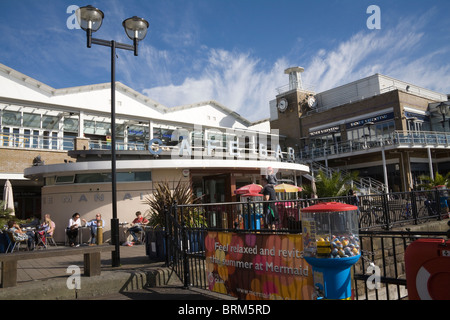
(250, 188)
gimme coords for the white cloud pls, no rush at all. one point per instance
(246, 84)
(364, 54)
(236, 80)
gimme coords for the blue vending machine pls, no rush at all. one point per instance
(331, 246)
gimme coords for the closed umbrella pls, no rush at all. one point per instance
(284, 187)
(8, 198)
(250, 188)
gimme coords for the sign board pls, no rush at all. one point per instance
(258, 266)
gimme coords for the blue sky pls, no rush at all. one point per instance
(232, 51)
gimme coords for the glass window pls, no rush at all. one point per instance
(64, 179)
(68, 141)
(89, 127)
(54, 140)
(143, 176)
(50, 181)
(106, 177)
(93, 177)
(5, 136)
(70, 125)
(102, 128)
(26, 138)
(35, 138)
(50, 122)
(125, 176)
(31, 120)
(16, 137)
(137, 137)
(11, 118)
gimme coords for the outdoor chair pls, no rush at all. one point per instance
(49, 240)
(13, 243)
(40, 241)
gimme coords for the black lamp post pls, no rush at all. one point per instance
(90, 19)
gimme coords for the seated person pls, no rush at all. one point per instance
(94, 224)
(46, 228)
(20, 235)
(136, 226)
(72, 229)
(33, 223)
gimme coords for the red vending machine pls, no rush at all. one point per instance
(427, 264)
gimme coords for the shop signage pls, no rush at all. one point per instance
(97, 197)
(324, 131)
(256, 146)
(382, 117)
(258, 266)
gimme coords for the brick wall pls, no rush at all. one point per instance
(16, 160)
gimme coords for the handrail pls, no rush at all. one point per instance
(368, 183)
(30, 141)
(416, 139)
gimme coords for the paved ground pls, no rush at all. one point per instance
(159, 293)
(41, 269)
(138, 278)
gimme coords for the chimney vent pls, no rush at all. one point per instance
(295, 78)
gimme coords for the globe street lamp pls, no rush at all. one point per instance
(90, 20)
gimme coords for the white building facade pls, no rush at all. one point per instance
(55, 147)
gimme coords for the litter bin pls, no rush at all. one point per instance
(155, 246)
(196, 241)
(331, 246)
(254, 201)
(255, 219)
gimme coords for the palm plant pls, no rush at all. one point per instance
(439, 180)
(335, 185)
(5, 215)
(164, 196)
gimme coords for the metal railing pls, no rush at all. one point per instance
(29, 141)
(188, 225)
(363, 184)
(410, 139)
(385, 250)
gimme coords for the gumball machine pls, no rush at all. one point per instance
(331, 246)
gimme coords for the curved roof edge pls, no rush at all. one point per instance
(124, 165)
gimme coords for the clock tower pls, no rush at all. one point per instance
(291, 103)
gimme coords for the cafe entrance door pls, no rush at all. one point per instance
(214, 188)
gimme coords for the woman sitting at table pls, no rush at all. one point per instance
(72, 229)
(46, 228)
(20, 235)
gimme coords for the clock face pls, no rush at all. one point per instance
(312, 102)
(282, 105)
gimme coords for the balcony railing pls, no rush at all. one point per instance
(397, 139)
(27, 141)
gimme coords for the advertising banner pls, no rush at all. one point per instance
(258, 266)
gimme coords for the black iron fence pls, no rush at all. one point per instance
(383, 252)
(187, 226)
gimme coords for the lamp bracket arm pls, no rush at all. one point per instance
(118, 45)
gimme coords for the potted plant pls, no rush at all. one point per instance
(163, 197)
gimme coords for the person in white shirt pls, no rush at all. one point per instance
(72, 229)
